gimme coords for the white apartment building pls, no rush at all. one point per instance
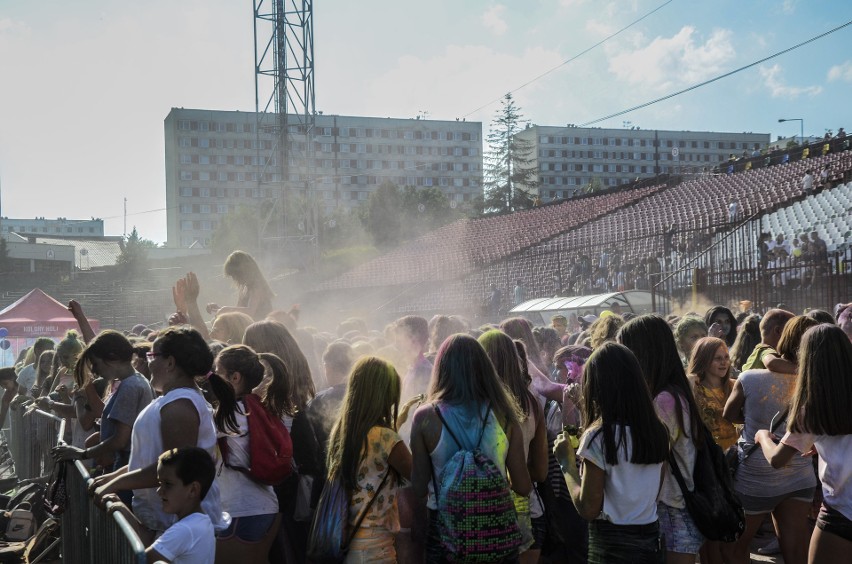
(215, 163)
(568, 158)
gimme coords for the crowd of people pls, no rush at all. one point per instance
(576, 442)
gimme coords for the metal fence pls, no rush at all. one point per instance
(89, 534)
(33, 433)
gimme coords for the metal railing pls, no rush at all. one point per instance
(88, 533)
(33, 433)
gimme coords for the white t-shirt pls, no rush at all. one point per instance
(27, 377)
(835, 470)
(189, 541)
(242, 496)
(630, 490)
(146, 446)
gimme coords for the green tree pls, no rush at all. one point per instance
(510, 173)
(381, 215)
(392, 215)
(133, 258)
(4, 257)
(237, 230)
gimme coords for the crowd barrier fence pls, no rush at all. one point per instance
(33, 433)
(89, 534)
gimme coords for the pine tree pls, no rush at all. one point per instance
(510, 173)
(133, 258)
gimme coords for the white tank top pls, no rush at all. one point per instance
(146, 446)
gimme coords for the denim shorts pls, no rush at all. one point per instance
(753, 505)
(679, 532)
(834, 522)
(248, 529)
(628, 544)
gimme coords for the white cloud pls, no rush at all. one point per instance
(841, 72)
(8, 26)
(679, 60)
(772, 78)
(788, 6)
(455, 81)
(572, 3)
(599, 28)
(494, 21)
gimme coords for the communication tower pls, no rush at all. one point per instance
(285, 109)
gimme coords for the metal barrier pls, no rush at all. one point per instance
(33, 433)
(90, 534)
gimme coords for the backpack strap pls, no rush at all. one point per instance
(446, 426)
(364, 511)
(484, 425)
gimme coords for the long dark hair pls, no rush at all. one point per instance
(615, 395)
(732, 331)
(748, 337)
(650, 339)
(109, 345)
(193, 357)
(273, 337)
(276, 396)
(463, 374)
(823, 388)
(372, 399)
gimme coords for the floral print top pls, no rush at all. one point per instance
(384, 512)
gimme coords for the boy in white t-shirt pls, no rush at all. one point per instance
(185, 475)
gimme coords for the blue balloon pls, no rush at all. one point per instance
(4, 344)
(3, 332)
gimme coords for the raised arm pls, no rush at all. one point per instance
(85, 327)
(190, 288)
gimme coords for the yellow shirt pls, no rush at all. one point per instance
(711, 403)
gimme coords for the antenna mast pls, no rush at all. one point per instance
(285, 110)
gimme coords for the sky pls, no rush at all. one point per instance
(85, 86)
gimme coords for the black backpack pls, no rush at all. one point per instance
(713, 505)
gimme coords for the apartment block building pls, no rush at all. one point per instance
(216, 161)
(59, 227)
(568, 158)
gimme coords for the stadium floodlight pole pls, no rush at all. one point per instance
(801, 126)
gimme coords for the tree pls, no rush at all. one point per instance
(392, 215)
(510, 173)
(237, 230)
(133, 258)
(4, 256)
(381, 215)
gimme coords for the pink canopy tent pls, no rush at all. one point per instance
(39, 315)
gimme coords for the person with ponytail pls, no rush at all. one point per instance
(109, 356)
(253, 506)
(370, 458)
(177, 418)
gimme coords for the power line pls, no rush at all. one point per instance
(574, 58)
(720, 77)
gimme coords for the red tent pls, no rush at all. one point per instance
(39, 315)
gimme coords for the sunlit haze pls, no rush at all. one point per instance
(86, 85)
